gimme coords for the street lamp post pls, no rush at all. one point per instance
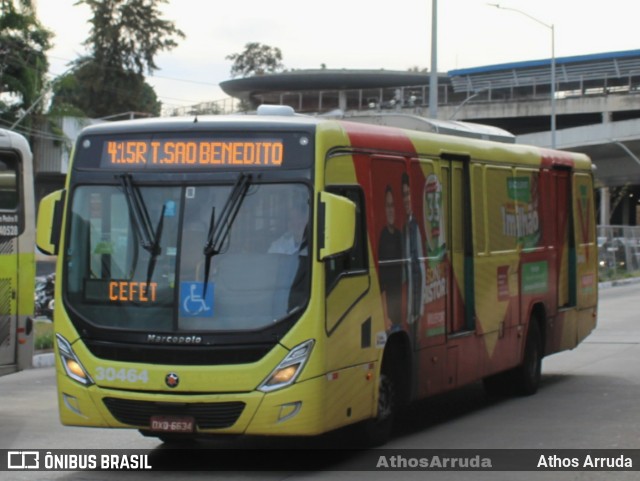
(464, 102)
(433, 75)
(553, 65)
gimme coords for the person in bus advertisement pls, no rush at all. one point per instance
(390, 262)
(414, 272)
(402, 270)
(420, 267)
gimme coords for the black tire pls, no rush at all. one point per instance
(377, 431)
(523, 380)
(527, 375)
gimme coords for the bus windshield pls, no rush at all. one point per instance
(159, 278)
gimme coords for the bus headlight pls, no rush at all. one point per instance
(289, 368)
(71, 363)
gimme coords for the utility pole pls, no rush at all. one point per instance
(433, 77)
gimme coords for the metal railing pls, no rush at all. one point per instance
(618, 251)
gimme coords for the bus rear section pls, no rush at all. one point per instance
(17, 264)
(484, 257)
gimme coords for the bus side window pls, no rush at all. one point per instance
(353, 261)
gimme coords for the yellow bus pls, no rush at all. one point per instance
(289, 275)
(17, 256)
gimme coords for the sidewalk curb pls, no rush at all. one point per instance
(46, 359)
(621, 282)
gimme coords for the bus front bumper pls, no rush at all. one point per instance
(294, 410)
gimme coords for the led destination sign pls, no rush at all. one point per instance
(186, 153)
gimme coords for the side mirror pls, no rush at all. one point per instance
(50, 222)
(337, 225)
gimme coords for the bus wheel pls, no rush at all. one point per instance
(524, 379)
(377, 431)
(527, 375)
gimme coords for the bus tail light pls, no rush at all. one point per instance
(289, 368)
(71, 363)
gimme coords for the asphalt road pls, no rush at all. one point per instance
(589, 399)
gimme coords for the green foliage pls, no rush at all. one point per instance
(44, 342)
(23, 62)
(256, 59)
(43, 335)
(125, 37)
(609, 274)
(128, 34)
(94, 90)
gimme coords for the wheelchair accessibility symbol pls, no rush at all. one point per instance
(192, 303)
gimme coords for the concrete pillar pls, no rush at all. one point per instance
(342, 100)
(626, 210)
(605, 206)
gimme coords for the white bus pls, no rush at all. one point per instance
(17, 259)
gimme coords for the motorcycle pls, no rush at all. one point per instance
(44, 302)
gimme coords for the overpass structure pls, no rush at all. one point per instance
(597, 112)
(597, 108)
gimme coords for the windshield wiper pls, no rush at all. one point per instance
(219, 230)
(155, 246)
(148, 237)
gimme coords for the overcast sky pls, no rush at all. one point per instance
(356, 34)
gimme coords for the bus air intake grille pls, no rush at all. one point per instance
(178, 355)
(207, 415)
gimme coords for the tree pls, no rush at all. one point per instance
(96, 91)
(23, 62)
(128, 34)
(617, 195)
(256, 59)
(125, 37)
